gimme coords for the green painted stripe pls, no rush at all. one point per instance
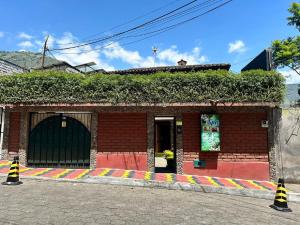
(196, 180)
(239, 183)
(152, 177)
(45, 172)
(261, 185)
(66, 174)
(174, 177)
(109, 173)
(131, 174)
(217, 181)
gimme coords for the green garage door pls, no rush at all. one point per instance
(59, 141)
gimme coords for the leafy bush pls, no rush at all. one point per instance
(57, 87)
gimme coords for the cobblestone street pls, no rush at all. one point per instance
(49, 202)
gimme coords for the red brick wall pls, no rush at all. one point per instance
(242, 137)
(122, 160)
(14, 132)
(122, 132)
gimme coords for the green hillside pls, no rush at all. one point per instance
(27, 60)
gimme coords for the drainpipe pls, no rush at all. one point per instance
(2, 114)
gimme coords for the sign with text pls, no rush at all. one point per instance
(210, 132)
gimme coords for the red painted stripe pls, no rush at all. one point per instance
(253, 186)
(181, 178)
(204, 181)
(96, 172)
(139, 175)
(31, 172)
(118, 173)
(246, 184)
(226, 183)
(160, 177)
(267, 184)
(4, 170)
(53, 172)
(74, 174)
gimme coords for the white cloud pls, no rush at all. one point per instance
(23, 35)
(115, 51)
(238, 46)
(111, 52)
(79, 55)
(1, 34)
(291, 76)
(169, 56)
(25, 44)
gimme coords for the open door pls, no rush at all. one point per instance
(165, 145)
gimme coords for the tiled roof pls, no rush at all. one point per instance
(7, 67)
(188, 68)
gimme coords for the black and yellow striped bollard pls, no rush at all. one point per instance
(13, 175)
(280, 201)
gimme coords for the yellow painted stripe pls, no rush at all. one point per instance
(190, 179)
(214, 183)
(61, 174)
(82, 174)
(5, 164)
(234, 183)
(40, 172)
(272, 183)
(104, 172)
(256, 185)
(23, 170)
(147, 176)
(126, 173)
(169, 177)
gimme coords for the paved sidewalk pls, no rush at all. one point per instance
(77, 174)
(48, 202)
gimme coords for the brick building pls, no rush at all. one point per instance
(134, 136)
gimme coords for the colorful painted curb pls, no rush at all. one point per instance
(76, 174)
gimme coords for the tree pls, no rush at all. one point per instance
(294, 20)
(286, 53)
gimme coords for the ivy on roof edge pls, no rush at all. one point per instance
(46, 87)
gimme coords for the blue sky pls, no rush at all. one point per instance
(232, 34)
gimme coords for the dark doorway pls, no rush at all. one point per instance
(165, 149)
(58, 141)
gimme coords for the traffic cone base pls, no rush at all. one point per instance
(280, 208)
(12, 183)
(280, 201)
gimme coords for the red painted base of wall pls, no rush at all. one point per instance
(242, 170)
(128, 161)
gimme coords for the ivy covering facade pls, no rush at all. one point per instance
(46, 87)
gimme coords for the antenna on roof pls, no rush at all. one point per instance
(154, 51)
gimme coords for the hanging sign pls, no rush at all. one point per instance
(210, 132)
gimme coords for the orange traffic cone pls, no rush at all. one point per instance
(280, 202)
(13, 175)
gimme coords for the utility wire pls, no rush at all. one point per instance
(152, 32)
(155, 32)
(169, 18)
(88, 38)
(131, 29)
